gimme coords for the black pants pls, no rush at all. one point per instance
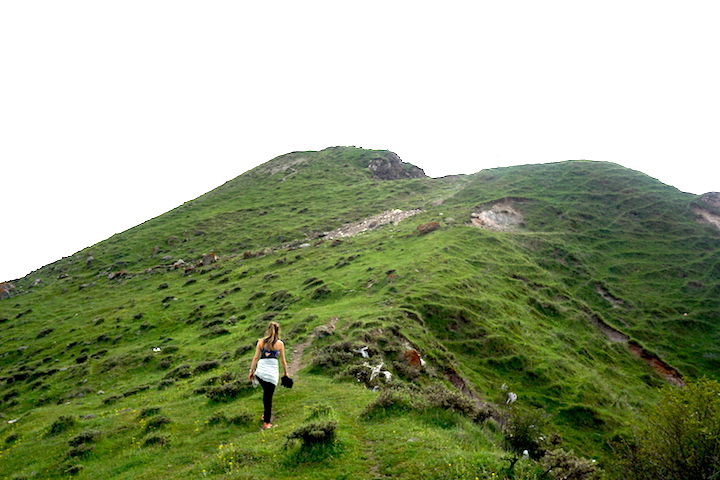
(268, 390)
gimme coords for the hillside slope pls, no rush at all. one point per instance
(581, 287)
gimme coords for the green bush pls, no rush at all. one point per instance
(159, 440)
(157, 422)
(388, 402)
(62, 424)
(229, 391)
(88, 436)
(313, 433)
(679, 438)
(438, 396)
(525, 432)
(563, 465)
(80, 450)
(219, 418)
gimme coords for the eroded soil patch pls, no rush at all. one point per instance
(662, 368)
(370, 223)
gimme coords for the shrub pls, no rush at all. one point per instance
(80, 450)
(242, 418)
(219, 418)
(319, 410)
(313, 433)
(243, 349)
(331, 357)
(160, 440)
(88, 436)
(149, 412)
(440, 397)
(73, 469)
(181, 371)
(560, 464)
(111, 399)
(215, 332)
(229, 391)
(318, 441)
(321, 292)
(677, 438)
(157, 422)
(62, 424)
(206, 366)
(387, 402)
(525, 431)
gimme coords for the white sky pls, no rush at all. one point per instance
(112, 113)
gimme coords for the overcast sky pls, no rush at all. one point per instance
(112, 113)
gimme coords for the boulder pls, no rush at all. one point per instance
(5, 289)
(208, 259)
(391, 167)
(412, 358)
(427, 227)
(324, 331)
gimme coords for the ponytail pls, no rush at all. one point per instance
(272, 334)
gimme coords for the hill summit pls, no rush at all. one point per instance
(419, 314)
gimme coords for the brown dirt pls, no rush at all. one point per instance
(670, 374)
(298, 350)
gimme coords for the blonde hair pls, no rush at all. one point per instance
(272, 334)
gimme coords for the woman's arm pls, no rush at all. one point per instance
(254, 360)
(282, 357)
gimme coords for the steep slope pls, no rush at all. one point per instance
(582, 287)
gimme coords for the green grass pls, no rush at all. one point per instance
(498, 311)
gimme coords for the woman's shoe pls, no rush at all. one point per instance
(267, 425)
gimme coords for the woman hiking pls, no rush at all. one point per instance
(264, 367)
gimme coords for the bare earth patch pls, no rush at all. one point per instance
(370, 223)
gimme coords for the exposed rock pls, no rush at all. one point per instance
(371, 223)
(324, 331)
(711, 199)
(5, 289)
(427, 227)
(391, 167)
(412, 358)
(179, 264)
(208, 259)
(707, 207)
(498, 215)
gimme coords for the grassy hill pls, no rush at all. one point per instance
(581, 287)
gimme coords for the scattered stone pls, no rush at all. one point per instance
(5, 289)
(427, 227)
(208, 259)
(371, 223)
(324, 331)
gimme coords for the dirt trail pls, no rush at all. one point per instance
(298, 350)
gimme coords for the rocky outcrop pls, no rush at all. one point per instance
(5, 289)
(499, 215)
(390, 216)
(707, 208)
(391, 167)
